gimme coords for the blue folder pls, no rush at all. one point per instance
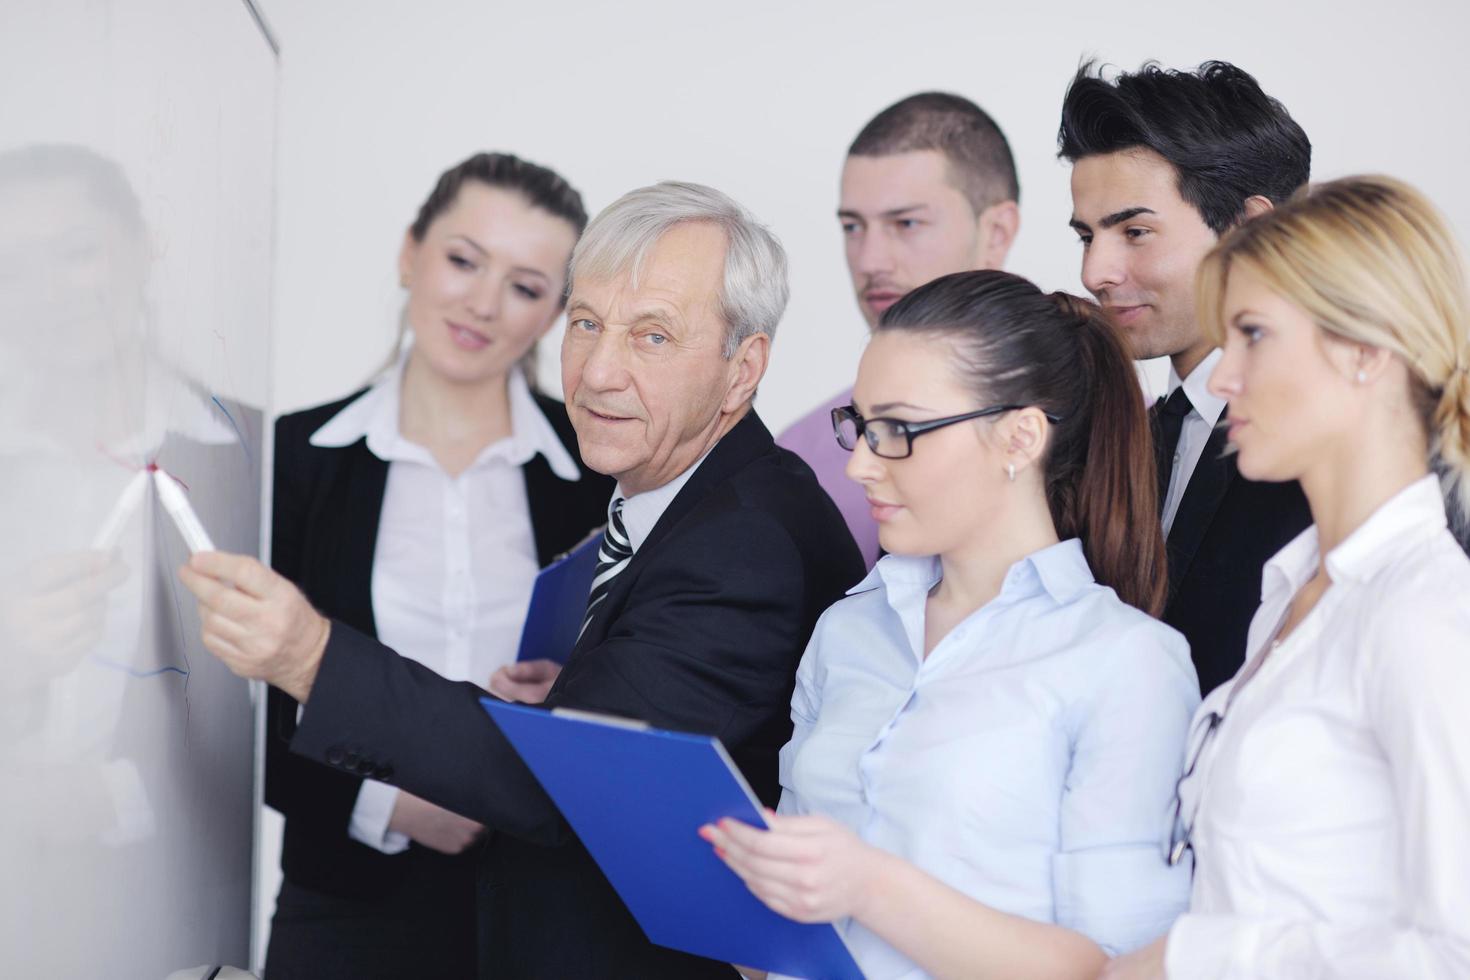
(559, 604)
(637, 796)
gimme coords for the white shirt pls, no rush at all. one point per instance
(1198, 425)
(1332, 836)
(642, 511)
(455, 559)
(1027, 762)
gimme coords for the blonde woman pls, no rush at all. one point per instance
(1326, 790)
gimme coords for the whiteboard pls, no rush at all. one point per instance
(136, 203)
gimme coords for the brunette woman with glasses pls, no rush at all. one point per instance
(1328, 797)
(988, 730)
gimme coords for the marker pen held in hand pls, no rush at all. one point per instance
(183, 515)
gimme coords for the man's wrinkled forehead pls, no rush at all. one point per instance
(677, 274)
(681, 246)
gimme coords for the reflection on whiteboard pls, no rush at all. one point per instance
(134, 299)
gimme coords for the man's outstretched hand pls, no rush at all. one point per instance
(256, 621)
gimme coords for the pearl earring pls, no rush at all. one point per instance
(1362, 376)
(1011, 471)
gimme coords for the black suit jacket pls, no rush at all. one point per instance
(701, 632)
(324, 532)
(1226, 529)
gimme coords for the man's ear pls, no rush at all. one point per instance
(999, 225)
(1255, 206)
(747, 367)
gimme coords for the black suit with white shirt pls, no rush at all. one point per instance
(701, 632)
(1224, 531)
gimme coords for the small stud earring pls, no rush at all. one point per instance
(1011, 471)
(1362, 377)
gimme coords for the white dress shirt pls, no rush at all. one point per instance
(1332, 827)
(1198, 425)
(641, 512)
(1028, 761)
(455, 559)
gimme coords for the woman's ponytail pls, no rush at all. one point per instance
(1449, 430)
(1114, 505)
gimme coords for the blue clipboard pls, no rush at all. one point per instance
(637, 796)
(559, 604)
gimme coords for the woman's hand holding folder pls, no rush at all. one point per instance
(807, 868)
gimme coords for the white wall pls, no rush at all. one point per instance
(761, 99)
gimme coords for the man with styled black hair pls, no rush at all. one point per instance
(928, 188)
(1164, 163)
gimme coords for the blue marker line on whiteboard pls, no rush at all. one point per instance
(235, 425)
(178, 508)
(139, 673)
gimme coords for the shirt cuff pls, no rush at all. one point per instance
(1122, 897)
(370, 816)
(1209, 947)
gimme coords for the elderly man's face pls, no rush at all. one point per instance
(646, 385)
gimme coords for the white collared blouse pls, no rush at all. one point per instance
(1331, 807)
(1028, 761)
(455, 559)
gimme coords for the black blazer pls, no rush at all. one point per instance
(1226, 529)
(327, 502)
(701, 632)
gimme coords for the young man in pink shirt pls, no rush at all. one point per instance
(928, 188)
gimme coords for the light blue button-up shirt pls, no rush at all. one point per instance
(1029, 761)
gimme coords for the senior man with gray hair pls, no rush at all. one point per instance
(720, 553)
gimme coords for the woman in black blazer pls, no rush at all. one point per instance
(418, 510)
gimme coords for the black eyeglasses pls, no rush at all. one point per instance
(894, 438)
(1181, 828)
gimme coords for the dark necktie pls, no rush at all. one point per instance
(1169, 416)
(612, 558)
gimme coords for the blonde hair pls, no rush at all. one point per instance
(1373, 262)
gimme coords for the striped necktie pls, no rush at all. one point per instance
(612, 558)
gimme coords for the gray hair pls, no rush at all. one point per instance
(754, 291)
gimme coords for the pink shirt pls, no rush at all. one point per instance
(811, 438)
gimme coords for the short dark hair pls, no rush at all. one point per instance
(970, 140)
(1226, 139)
(542, 188)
